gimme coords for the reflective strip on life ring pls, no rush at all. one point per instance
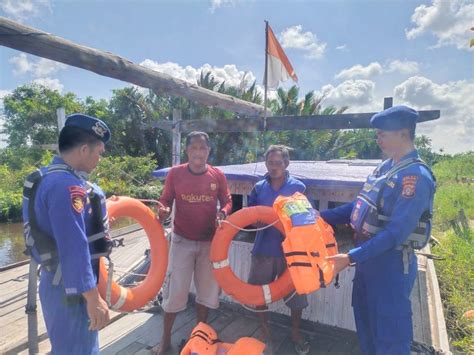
(128, 299)
(243, 292)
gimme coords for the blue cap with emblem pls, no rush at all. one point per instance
(90, 124)
(395, 118)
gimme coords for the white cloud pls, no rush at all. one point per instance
(359, 71)
(375, 68)
(449, 21)
(53, 84)
(4, 93)
(228, 73)
(215, 4)
(454, 130)
(293, 37)
(39, 68)
(404, 67)
(342, 48)
(22, 10)
(357, 94)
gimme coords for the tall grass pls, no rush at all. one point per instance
(454, 221)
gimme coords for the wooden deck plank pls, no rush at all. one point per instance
(222, 320)
(133, 348)
(110, 336)
(241, 327)
(13, 293)
(279, 335)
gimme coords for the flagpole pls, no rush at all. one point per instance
(265, 78)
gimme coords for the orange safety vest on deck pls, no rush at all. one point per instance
(309, 240)
(204, 341)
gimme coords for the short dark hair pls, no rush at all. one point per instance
(283, 149)
(196, 134)
(72, 137)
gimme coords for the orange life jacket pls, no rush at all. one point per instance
(309, 240)
(204, 341)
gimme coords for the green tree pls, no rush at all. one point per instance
(30, 114)
(307, 144)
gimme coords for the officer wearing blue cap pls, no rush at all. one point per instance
(66, 231)
(391, 217)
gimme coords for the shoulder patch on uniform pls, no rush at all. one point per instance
(78, 195)
(409, 186)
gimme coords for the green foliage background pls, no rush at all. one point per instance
(454, 227)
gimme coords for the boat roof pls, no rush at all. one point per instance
(334, 172)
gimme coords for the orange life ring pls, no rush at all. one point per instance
(128, 299)
(256, 295)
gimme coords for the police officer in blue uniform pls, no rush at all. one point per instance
(391, 218)
(66, 230)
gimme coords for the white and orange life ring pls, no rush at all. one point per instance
(255, 295)
(128, 299)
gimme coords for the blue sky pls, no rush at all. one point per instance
(354, 52)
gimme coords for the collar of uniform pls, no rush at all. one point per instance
(58, 160)
(267, 176)
(412, 154)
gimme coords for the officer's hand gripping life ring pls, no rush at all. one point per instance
(128, 299)
(255, 295)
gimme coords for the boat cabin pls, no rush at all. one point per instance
(329, 184)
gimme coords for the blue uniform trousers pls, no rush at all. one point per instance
(67, 324)
(381, 304)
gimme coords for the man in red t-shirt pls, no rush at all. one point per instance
(196, 188)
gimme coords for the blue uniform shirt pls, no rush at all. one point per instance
(63, 212)
(268, 241)
(404, 201)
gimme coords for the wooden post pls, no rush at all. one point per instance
(61, 114)
(387, 102)
(176, 150)
(31, 40)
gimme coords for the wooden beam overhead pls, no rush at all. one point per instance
(42, 44)
(284, 123)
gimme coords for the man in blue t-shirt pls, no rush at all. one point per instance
(268, 261)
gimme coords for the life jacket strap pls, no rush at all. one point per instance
(322, 283)
(57, 276)
(407, 251)
(303, 253)
(300, 264)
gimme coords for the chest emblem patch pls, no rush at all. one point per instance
(409, 186)
(213, 186)
(78, 195)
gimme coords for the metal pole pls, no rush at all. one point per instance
(61, 114)
(30, 308)
(387, 102)
(176, 149)
(265, 76)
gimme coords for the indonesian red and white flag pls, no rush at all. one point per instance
(278, 65)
